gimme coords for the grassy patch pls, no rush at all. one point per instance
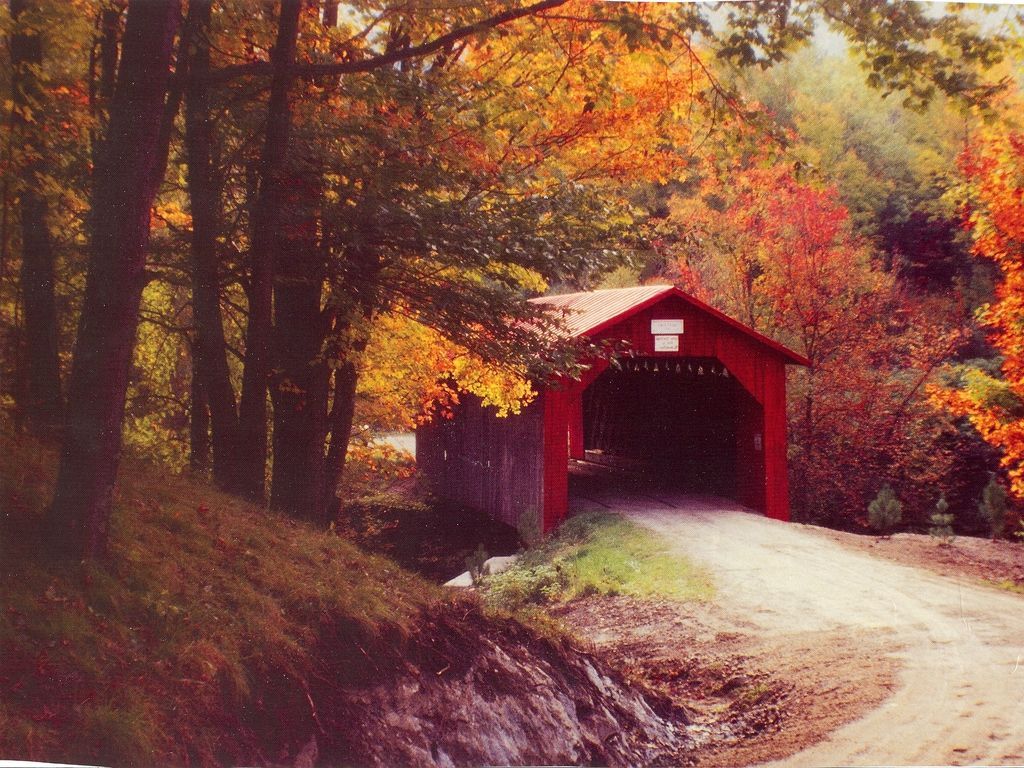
(596, 554)
(207, 625)
(1007, 584)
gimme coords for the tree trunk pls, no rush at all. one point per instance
(304, 481)
(210, 348)
(101, 85)
(343, 413)
(251, 454)
(330, 14)
(300, 386)
(126, 177)
(199, 422)
(300, 430)
(44, 405)
(367, 265)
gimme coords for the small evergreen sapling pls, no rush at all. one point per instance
(993, 506)
(942, 521)
(886, 511)
(476, 564)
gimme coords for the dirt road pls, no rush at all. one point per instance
(960, 648)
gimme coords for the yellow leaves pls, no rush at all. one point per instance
(408, 370)
(156, 418)
(507, 392)
(526, 278)
(173, 215)
(575, 102)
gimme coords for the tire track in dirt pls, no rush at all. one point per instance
(960, 698)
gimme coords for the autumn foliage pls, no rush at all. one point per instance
(321, 188)
(779, 253)
(994, 171)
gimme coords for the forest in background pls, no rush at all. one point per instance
(232, 230)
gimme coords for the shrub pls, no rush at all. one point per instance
(942, 521)
(518, 587)
(372, 521)
(529, 526)
(886, 511)
(475, 564)
(596, 554)
(993, 507)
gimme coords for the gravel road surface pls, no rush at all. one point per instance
(960, 697)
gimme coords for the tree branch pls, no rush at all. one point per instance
(307, 71)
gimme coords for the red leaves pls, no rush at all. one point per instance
(994, 213)
(780, 254)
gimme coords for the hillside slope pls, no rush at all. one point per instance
(218, 633)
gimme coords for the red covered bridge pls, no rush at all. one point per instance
(698, 401)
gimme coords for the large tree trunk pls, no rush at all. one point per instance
(300, 386)
(44, 404)
(251, 454)
(304, 479)
(300, 417)
(127, 174)
(210, 348)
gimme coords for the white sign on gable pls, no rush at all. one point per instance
(666, 343)
(666, 326)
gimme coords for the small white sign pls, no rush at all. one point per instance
(666, 343)
(666, 326)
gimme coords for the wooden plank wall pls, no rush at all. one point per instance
(761, 371)
(519, 465)
(486, 463)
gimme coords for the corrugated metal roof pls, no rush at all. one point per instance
(585, 313)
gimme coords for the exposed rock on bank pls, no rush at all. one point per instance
(476, 691)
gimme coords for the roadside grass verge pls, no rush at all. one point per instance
(1007, 585)
(198, 641)
(596, 554)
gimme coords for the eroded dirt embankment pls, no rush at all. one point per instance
(814, 652)
(473, 691)
(750, 697)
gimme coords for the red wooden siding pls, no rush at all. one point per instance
(519, 465)
(491, 464)
(760, 369)
(750, 477)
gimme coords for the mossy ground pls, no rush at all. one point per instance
(186, 646)
(597, 554)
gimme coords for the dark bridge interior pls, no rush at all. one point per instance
(669, 423)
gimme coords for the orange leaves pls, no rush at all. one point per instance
(571, 99)
(780, 254)
(776, 253)
(994, 194)
(410, 371)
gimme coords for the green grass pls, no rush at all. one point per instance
(1008, 585)
(208, 614)
(597, 554)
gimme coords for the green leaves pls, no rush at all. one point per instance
(909, 50)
